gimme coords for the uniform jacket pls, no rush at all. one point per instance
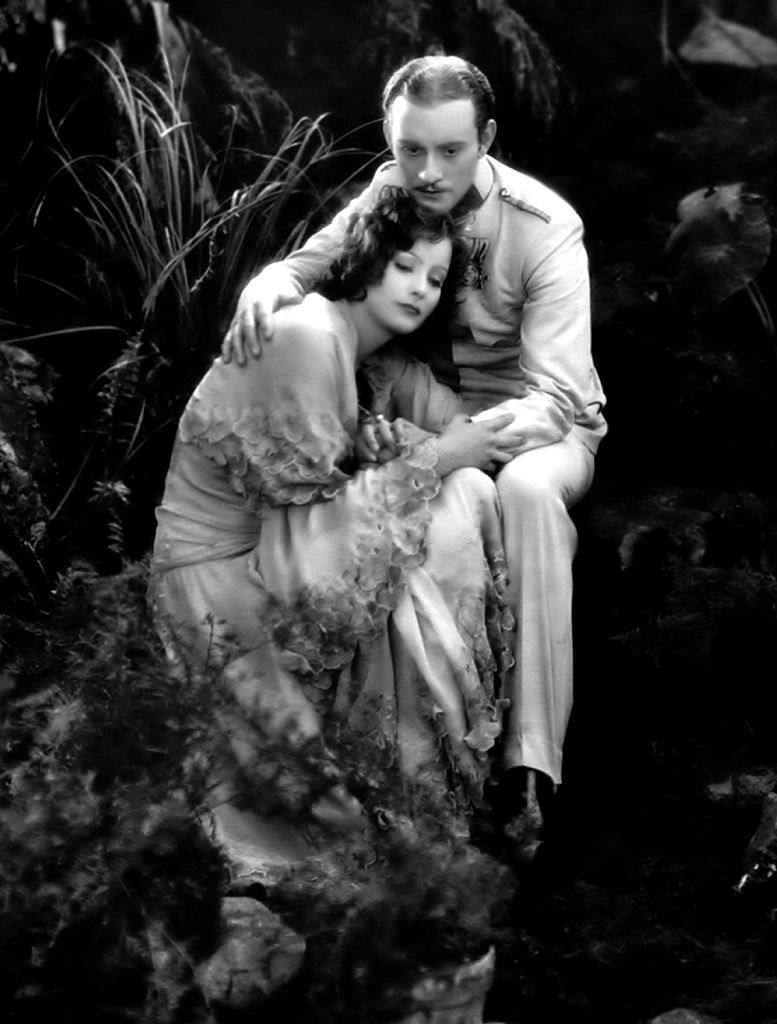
(522, 342)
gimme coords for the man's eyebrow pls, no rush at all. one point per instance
(404, 141)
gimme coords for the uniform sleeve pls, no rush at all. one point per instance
(561, 381)
(309, 264)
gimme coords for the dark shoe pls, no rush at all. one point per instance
(525, 827)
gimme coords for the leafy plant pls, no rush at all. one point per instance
(104, 763)
(105, 758)
(721, 244)
(152, 258)
(428, 909)
(402, 896)
(156, 206)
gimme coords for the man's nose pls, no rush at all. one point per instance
(431, 174)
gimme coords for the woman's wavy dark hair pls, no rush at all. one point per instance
(394, 224)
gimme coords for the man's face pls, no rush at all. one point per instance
(437, 149)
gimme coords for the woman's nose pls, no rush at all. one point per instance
(419, 285)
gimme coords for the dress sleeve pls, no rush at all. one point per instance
(403, 387)
(276, 425)
(282, 427)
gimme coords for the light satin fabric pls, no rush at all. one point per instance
(522, 344)
(375, 593)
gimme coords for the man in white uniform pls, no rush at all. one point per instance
(522, 345)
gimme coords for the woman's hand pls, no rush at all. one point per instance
(376, 441)
(464, 443)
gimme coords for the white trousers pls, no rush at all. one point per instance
(536, 490)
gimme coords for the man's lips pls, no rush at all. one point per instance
(429, 190)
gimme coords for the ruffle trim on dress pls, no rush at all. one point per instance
(486, 624)
(500, 618)
(287, 456)
(383, 372)
(319, 632)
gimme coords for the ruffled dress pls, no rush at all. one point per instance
(368, 601)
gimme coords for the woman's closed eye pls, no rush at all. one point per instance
(405, 265)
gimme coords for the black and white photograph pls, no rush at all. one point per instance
(388, 512)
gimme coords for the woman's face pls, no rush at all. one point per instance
(410, 287)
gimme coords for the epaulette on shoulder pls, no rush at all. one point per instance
(506, 195)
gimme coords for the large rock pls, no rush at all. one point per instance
(257, 955)
(683, 1016)
(760, 861)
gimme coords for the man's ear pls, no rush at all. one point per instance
(387, 131)
(487, 136)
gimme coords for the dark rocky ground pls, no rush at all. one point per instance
(631, 908)
(630, 911)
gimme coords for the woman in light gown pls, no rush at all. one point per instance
(341, 566)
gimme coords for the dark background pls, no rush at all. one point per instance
(630, 909)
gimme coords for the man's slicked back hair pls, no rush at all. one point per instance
(427, 81)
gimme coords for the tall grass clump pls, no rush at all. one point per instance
(155, 210)
(149, 257)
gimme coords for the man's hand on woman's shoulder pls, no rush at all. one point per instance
(252, 323)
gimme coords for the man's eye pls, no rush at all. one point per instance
(410, 150)
(451, 152)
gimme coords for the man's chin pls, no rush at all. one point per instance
(437, 201)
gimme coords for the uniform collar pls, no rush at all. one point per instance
(478, 191)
